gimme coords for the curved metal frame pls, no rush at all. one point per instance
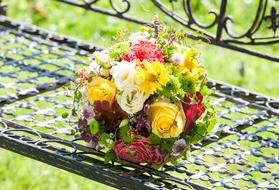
(221, 19)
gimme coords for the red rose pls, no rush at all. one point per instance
(144, 50)
(138, 151)
(192, 110)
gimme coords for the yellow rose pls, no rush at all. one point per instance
(101, 89)
(167, 119)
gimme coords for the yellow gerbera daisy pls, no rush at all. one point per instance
(190, 65)
(152, 76)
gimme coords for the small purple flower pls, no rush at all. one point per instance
(160, 151)
(142, 123)
(88, 113)
(146, 108)
(178, 147)
(94, 141)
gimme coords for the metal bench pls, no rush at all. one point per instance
(35, 65)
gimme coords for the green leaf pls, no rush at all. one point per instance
(104, 137)
(204, 90)
(94, 126)
(167, 143)
(188, 85)
(77, 95)
(74, 113)
(133, 153)
(154, 139)
(156, 166)
(211, 122)
(65, 115)
(124, 122)
(124, 134)
(197, 138)
(109, 156)
(175, 161)
(118, 49)
(173, 89)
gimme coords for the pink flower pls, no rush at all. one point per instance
(139, 151)
(83, 74)
(144, 50)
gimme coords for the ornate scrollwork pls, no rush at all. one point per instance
(189, 12)
(255, 25)
(221, 19)
(223, 36)
(117, 9)
(273, 18)
(90, 2)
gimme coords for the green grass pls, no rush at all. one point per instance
(18, 172)
(21, 173)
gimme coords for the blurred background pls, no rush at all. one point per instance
(259, 75)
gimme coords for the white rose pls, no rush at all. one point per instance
(123, 74)
(177, 58)
(101, 58)
(131, 100)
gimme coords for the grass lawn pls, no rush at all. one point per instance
(20, 173)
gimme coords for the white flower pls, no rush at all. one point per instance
(101, 57)
(131, 100)
(123, 74)
(177, 58)
(138, 36)
(98, 70)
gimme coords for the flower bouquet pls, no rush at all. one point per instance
(144, 99)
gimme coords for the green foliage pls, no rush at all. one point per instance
(173, 89)
(34, 175)
(124, 122)
(154, 139)
(77, 95)
(107, 140)
(133, 153)
(168, 51)
(124, 128)
(109, 156)
(94, 126)
(65, 115)
(187, 84)
(168, 143)
(204, 124)
(104, 137)
(124, 134)
(118, 49)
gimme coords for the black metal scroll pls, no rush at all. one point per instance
(223, 35)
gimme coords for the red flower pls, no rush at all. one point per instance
(144, 50)
(138, 151)
(157, 156)
(192, 110)
(110, 114)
